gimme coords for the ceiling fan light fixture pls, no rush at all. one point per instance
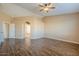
(46, 7)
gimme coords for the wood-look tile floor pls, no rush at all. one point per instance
(39, 47)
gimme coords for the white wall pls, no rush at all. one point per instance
(62, 27)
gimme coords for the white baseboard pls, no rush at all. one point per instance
(37, 38)
(63, 40)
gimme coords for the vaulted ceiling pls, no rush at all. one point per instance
(61, 8)
(31, 9)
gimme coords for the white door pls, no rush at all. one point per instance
(11, 30)
(1, 33)
(6, 30)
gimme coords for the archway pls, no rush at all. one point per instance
(27, 34)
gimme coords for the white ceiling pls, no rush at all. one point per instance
(14, 10)
(61, 8)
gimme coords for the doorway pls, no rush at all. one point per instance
(27, 34)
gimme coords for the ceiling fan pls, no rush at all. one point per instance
(46, 7)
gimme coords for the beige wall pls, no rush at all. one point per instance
(62, 27)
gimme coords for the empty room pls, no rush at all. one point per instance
(39, 29)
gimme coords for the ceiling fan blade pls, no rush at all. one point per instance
(52, 7)
(41, 10)
(45, 4)
(47, 11)
(41, 5)
(49, 4)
